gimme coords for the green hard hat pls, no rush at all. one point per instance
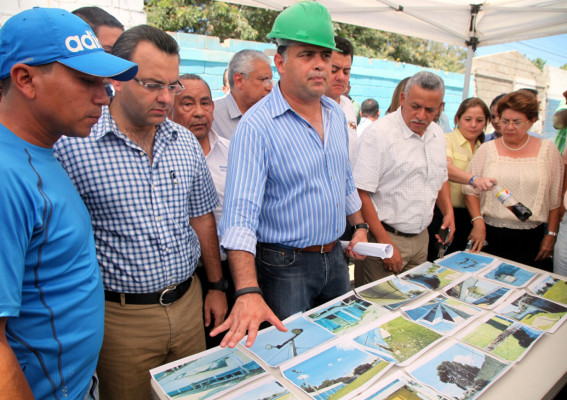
(305, 22)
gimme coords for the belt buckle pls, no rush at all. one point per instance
(168, 289)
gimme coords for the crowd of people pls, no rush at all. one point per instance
(149, 221)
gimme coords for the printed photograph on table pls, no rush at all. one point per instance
(398, 340)
(267, 388)
(275, 347)
(551, 288)
(340, 369)
(458, 371)
(206, 375)
(479, 292)
(503, 337)
(510, 275)
(432, 276)
(466, 262)
(534, 311)
(442, 314)
(390, 293)
(345, 314)
(399, 387)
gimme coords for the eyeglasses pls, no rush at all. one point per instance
(517, 123)
(175, 88)
(266, 81)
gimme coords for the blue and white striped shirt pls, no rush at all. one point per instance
(284, 185)
(140, 212)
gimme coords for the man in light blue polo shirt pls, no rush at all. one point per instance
(51, 304)
(289, 187)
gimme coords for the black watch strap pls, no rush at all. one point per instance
(247, 290)
(359, 226)
(221, 285)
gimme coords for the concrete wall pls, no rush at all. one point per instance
(509, 71)
(129, 12)
(370, 78)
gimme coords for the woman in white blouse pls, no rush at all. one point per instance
(532, 170)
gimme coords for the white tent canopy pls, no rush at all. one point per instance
(465, 23)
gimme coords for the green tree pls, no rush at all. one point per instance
(539, 62)
(216, 18)
(564, 66)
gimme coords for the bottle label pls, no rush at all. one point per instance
(503, 195)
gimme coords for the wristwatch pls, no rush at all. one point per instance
(221, 285)
(359, 226)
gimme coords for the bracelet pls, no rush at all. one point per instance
(551, 233)
(471, 182)
(475, 218)
(246, 290)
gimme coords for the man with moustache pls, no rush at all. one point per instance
(146, 185)
(193, 108)
(289, 187)
(52, 306)
(401, 172)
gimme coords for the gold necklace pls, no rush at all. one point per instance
(519, 148)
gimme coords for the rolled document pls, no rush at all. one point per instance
(371, 249)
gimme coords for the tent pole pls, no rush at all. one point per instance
(470, 55)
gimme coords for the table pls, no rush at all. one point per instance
(541, 374)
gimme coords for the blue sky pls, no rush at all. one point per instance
(551, 49)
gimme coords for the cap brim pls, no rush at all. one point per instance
(102, 64)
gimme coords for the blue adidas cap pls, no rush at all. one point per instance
(44, 35)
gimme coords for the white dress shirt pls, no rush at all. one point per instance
(402, 171)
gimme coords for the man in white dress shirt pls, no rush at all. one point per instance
(341, 63)
(369, 111)
(250, 79)
(401, 173)
(193, 109)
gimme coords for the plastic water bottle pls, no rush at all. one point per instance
(505, 197)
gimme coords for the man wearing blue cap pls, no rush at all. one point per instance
(52, 304)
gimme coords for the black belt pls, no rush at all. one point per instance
(164, 297)
(397, 232)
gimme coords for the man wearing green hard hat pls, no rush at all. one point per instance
(289, 187)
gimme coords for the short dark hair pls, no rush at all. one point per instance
(127, 42)
(344, 46)
(195, 77)
(96, 17)
(495, 100)
(369, 108)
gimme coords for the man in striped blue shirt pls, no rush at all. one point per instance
(289, 186)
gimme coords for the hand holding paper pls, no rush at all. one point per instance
(371, 249)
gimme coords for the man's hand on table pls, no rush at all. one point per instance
(248, 312)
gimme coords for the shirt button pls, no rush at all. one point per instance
(142, 154)
(158, 219)
(167, 249)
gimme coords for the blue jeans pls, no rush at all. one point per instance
(295, 281)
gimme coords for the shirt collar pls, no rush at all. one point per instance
(106, 124)
(233, 110)
(279, 105)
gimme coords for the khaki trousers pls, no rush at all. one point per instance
(138, 338)
(413, 250)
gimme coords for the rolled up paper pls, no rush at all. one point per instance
(371, 249)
